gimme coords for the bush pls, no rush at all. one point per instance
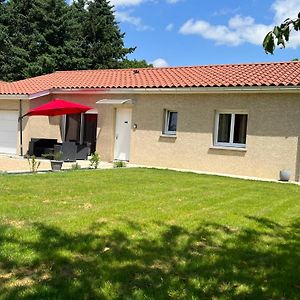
(119, 164)
(95, 160)
(33, 164)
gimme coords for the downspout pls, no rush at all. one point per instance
(21, 127)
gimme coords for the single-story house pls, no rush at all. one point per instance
(241, 119)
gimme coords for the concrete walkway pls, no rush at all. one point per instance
(18, 164)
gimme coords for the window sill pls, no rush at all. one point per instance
(229, 148)
(165, 135)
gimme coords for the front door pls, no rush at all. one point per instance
(122, 134)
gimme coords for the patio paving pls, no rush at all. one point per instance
(18, 164)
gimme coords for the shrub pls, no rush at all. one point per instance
(33, 164)
(54, 156)
(95, 160)
(119, 164)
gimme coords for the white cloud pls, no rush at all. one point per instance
(125, 2)
(241, 29)
(160, 62)
(126, 17)
(285, 9)
(170, 27)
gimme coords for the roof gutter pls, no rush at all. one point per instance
(193, 90)
(13, 97)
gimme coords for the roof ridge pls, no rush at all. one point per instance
(182, 67)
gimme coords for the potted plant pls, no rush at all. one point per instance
(56, 162)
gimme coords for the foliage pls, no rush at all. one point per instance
(119, 164)
(42, 36)
(147, 234)
(54, 156)
(57, 155)
(95, 160)
(131, 64)
(76, 167)
(33, 164)
(280, 34)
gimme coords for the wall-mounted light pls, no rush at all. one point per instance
(134, 126)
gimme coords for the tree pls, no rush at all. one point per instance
(14, 39)
(280, 34)
(104, 42)
(41, 36)
(48, 38)
(130, 64)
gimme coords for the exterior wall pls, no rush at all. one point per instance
(272, 137)
(273, 132)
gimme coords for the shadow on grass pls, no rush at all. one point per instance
(214, 261)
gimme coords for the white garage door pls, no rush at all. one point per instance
(8, 131)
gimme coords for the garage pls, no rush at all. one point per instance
(8, 131)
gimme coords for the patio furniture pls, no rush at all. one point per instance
(83, 151)
(68, 149)
(38, 147)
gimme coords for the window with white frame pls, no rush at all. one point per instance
(231, 129)
(170, 126)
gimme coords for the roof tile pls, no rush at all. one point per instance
(259, 74)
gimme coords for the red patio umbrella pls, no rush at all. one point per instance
(58, 107)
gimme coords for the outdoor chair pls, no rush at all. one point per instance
(82, 151)
(68, 149)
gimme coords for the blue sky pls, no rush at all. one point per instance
(196, 32)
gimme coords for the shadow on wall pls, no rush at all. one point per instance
(211, 261)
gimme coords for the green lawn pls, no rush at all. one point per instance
(147, 234)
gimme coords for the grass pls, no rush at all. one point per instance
(147, 234)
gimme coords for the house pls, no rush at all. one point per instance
(241, 119)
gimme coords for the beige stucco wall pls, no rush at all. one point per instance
(272, 140)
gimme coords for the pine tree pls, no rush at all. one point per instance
(16, 30)
(42, 36)
(104, 41)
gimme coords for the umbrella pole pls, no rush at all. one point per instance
(21, 127)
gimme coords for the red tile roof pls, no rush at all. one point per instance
(238, 75)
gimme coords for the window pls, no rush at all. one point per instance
(231, 129)
(170, 122)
